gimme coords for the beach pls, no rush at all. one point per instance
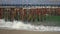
(3, 31)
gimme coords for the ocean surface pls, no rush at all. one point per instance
(19, 25)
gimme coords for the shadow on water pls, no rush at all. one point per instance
(46, 21)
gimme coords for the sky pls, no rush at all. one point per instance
(29, 1)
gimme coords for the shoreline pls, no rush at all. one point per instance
(3, 31)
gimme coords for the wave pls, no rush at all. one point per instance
(19, 25)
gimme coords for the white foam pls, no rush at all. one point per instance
(19, 25)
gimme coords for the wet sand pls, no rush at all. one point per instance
(25, 32)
